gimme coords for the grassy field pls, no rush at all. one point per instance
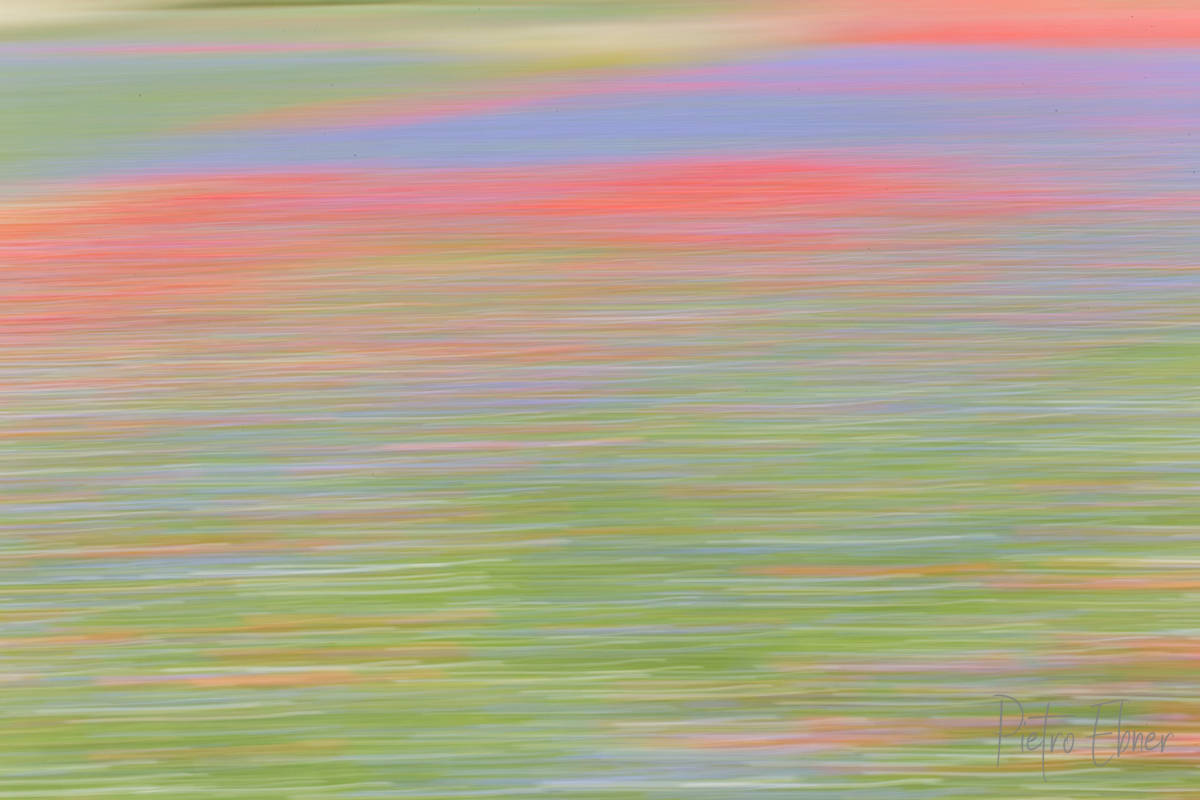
(453, 402)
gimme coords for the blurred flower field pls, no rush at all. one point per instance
(596, 400)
